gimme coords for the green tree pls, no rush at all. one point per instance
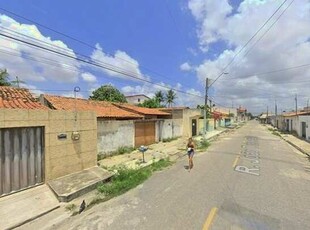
(151, 103)
(159, 96)
(170, 97)
(4, 76)
(108, 93)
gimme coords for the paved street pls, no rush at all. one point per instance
(248, 179)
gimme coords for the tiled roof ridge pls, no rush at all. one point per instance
(12, 97)
(140, 110)
(102, 108)
(78, 98)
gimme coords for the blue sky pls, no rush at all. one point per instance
(176, 43)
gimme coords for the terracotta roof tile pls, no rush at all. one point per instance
(292, 114)
(18, 98)
(102, 108)
(141, 110)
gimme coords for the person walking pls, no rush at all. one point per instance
(190, 152)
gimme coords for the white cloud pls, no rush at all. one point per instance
(185, 67)
(44, 65)
(121, 62)
(88, 77)
(285, 45)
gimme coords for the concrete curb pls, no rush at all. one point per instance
(297, 147)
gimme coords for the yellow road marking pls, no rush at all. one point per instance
(210, 218)
(236, 161)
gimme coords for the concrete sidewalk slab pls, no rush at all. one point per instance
(24, 206)
(174, 150)
(74, 185)
(302, 145)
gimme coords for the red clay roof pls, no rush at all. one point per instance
(292, 114)
(18, 98)
(102, 108)
(141, 110)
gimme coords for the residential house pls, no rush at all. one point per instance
(225, 116)
(136, 99)
(154, 127)
(118, 124)
(297, 122)
(115, 126)
(189, 120)
(242, 114)
(38, 144)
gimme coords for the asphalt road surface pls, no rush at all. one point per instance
(248, 179)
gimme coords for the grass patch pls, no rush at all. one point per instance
(126, 179)
(203, 144)
(121, 150)
(276, 133)
(169, 139)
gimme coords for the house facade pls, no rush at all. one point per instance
(136, 99)
(242, 114)
(187, 119)
(297, 123)
(38, 144)
(118, 124)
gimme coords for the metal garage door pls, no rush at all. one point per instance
(21, 158)
(144, 133)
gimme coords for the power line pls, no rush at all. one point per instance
(79, 41)
(277, 19)
(253, 36)
(61, 48)
(272, 71)
(97, 65)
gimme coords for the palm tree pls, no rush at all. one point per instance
(159, 96)
(170, 97)
(4, 75)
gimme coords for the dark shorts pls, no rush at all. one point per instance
(190, 153)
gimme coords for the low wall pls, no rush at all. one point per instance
(114, 134)
(169, 128)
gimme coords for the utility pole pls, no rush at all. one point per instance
(276, 113)
(296, 103)
(205, 107)
(308, 105)
(267, 115)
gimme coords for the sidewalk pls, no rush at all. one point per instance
(302, 145)
(174, 150)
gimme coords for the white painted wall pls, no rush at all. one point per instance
(114, 134)
(169, 128)
(307, 120)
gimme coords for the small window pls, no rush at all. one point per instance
(138, 99)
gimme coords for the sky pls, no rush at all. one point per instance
(161, 45)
